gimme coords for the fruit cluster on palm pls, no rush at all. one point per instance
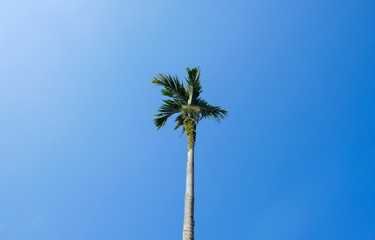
(191, 108)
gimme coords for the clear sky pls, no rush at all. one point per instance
(81, 159)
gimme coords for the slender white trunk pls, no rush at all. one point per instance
(188, 230)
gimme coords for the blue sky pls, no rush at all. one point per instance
(81, 159)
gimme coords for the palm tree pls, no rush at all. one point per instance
(185, 102)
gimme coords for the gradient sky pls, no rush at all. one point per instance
(81, 159)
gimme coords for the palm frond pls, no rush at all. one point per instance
(194, 87)
(166, 110)
(172, 87)
(210, 111)
(180, 122)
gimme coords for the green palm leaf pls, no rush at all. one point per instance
(194, 85)
(180, 122)
(166, 110)
(210, 111)
(172, 87)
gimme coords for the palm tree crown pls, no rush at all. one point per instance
(184, 101)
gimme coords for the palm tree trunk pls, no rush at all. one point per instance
(188, 230)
